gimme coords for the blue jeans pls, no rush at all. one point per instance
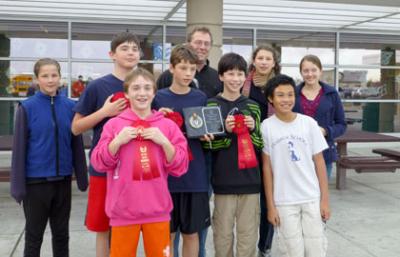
(176, 243)
(329, 167)
(202, 243)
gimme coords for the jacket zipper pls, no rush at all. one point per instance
(55, 124)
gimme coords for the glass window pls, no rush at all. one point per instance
(175, 36)
(375, 117)
(369, 83)
(154, 68)
(33, 39)
(92, 40)
(294, 45)
(239, 41)
(90, 70)
(84, 72)
(368, 49)
(328, 74)
(8, 109)
(17, 78)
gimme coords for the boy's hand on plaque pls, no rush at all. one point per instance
(229, 123)
(207, 137)
(249, 121)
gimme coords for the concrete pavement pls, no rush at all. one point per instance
(365, 218)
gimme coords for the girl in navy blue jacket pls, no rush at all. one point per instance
(45, 153)
(322, 102)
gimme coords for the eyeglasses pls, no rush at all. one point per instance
(207, 44)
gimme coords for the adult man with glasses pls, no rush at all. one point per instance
(206, 78)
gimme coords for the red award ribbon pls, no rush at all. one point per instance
(178, 119)
(144, 165)
(246, 154)
(119, 95)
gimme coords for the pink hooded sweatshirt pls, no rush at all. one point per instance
(130, 201)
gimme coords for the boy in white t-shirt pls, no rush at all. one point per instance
(295, 177)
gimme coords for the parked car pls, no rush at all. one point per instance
(345, 92)
(367, 92)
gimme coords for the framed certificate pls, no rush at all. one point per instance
(203, 120)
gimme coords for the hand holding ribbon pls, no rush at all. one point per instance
(120, 95)
(246, 154)
(175, 117)
(123, 137)
(114, 105)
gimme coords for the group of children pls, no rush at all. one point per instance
(147, 177)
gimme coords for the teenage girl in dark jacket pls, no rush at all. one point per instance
(322, 102)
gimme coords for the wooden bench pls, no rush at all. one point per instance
(369, 163)
(393, 154)
(5, 174)
(351, 121)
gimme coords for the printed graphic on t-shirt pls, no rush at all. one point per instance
(292, 151)
(292, 142)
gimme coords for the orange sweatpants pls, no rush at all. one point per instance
(156, 240)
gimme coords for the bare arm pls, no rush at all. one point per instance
(320, 168)
(273, 215)
(82, 123)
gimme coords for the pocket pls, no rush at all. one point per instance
(281, 242)
(156, 199)
(143, 199)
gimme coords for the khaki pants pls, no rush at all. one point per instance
(242, 210)
(301, 232)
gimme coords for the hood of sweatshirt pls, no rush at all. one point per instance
(240, 99)
(130, 115)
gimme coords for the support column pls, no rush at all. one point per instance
(207, 13)
(388, 80)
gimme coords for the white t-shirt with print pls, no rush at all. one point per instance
(291, 146)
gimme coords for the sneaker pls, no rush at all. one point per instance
(264, 254)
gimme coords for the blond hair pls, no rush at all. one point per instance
(136, 73)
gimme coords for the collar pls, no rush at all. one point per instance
(325, 87)
(41, 95)
(206, 65)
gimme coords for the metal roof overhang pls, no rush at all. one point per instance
(322, 15)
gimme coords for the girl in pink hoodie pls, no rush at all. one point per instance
(138, 149)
